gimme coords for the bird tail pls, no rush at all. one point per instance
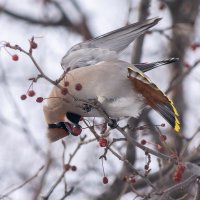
(144, 67)
(154, 97)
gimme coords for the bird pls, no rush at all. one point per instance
(94, 73)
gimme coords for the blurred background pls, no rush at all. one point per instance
(57, 25)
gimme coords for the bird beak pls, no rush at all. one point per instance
(62, 129)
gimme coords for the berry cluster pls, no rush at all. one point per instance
(65, 91)
(15, 57)
(31, 93)
(178, 174)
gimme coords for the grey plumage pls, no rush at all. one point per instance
(105, 47)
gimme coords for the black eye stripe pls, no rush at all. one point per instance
(52, 126)
(60, 125)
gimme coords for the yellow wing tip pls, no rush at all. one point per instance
(177, 125)
(177, 122)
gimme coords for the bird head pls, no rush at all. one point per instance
(61, 124)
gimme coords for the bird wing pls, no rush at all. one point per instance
(154, 97)
(105, 47)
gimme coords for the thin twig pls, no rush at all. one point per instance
(71, 156)
(181, 185)
(23, 184)
(42, 179)
(42, 74)
(132, 168)
(197, 195)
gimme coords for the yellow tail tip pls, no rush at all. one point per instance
(177, 125)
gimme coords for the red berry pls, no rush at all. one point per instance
(67, 167)
(143, 142)
(39, 99)
(15, 57)
(103, 142)
(23, 97)
(78, 87)
(33, 45)
(73, 168)
(66, 83)
(105, 180)
(76, 130)
(163, 138)
(31, 93)
(64, 91)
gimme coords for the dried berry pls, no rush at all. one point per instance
(103, 142)
(76, 131)
(15, 57)
(64, 91)
(31, 93)
(73, 168)
(67, 167)
(39, 99)
(105, 180)
(78, 87)
(33, 45)
(23, 97)
(143, 142)
(66, 83)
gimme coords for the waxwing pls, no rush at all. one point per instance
(95, 74)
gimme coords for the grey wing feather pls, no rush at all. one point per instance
(98, 49)
(119, 39)
(144, 67)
